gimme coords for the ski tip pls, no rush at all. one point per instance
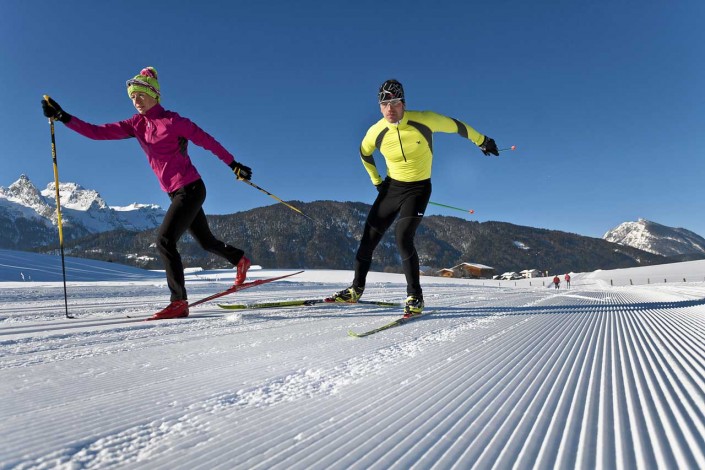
(232, 306)
(353, 334)
(284, 276)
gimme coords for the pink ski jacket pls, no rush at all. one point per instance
(164, 137)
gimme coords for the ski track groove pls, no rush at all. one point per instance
(525, 377)
(672, 401)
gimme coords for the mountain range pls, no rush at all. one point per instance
(658, 239)
(275, 237)
(28, 217)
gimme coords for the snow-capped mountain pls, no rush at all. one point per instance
(28, 216)
(656, 238)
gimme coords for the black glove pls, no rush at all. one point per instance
(241, 171)
(52, 110)
(382, 186)
(488, 146)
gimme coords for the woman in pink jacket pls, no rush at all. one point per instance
(164, 136)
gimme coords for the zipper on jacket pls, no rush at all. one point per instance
(400, 144)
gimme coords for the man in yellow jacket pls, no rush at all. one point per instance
(405, 140)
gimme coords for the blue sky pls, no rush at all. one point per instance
(604, 100)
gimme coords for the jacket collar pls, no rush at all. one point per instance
(395, 125)
(155, 111)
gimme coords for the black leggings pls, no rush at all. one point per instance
(186, 213)
(408, 201)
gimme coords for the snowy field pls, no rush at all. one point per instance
(501, 375)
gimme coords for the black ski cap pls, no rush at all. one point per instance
(391, 90)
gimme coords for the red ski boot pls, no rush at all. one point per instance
(242, 266)
(176, 309)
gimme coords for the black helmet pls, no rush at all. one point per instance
(391, 90)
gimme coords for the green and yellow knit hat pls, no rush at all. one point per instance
(146, 82)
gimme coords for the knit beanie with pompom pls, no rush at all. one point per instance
(145, 82)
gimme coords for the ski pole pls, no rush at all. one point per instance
(58, 210)
(471, 211)
(513, 147)
(275, 197)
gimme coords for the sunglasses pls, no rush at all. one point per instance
(392, 102)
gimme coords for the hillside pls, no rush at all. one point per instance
(276, 237)
(28, 217)
(676, 243)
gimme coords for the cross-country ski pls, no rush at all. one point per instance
(398, 322)
(233, 289)
(305, 303)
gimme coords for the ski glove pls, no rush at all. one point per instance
(382, 187)
(488, 146)
(52, 110)
(241, 171)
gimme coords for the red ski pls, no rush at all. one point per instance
(233, 289)
(246, 285)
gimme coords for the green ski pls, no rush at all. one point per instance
(398, 322)
(304, 303)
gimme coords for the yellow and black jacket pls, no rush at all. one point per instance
(407, 146)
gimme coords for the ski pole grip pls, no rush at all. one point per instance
(48, 100)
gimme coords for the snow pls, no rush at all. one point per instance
(521, 246)
(503, 373)
(656, 238)
(79, 206)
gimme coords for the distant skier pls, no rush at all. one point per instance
(405, 140)
(567, 280)
(164, 136)
(557, 282)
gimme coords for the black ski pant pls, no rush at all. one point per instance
(407, 201)
(186, 213)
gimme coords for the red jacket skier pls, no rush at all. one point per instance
(164, 136)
